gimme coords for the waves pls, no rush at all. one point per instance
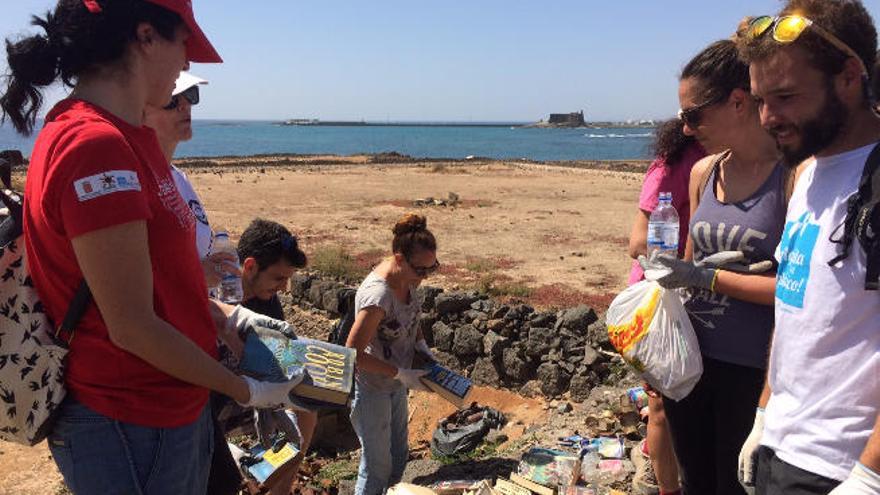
(618, 136)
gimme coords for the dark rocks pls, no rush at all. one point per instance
(519, 312)
(426, 323)
(531, 389)
(540, 341)
(495, 325)
(597, 335)
(485, 373)
(454, 302)
(580, 386)
(472, 315)
(428, 295)
(468, 342)
(500, 311)
(576, 319)
(591, 356)
(497, 344)
(444, 336)
(542, 319)
(299, 284)
(494, 344)
(515, 366)
(483, 306)
(554, 380)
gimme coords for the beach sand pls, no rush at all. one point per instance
(560, 231)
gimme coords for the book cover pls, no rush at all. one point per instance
(448, 384)
(507, 487)
(329, 368)
(531, 485)
(550, 467)
(268, 460)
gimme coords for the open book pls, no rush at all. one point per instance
(328, 368)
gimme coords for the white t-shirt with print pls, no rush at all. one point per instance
(825, 359)
(204, 236)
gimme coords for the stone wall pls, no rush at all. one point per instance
(500, 345)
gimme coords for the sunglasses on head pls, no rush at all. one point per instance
(191, 94)
(788, 28)
(424, 271)
(692, 116)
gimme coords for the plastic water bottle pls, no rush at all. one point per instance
(230, 290)
(663, 227)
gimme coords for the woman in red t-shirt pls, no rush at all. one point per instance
(102, 206)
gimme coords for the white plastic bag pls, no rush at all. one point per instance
(650, 328)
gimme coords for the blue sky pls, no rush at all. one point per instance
(455, 60)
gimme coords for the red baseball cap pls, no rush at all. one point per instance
(198, 48)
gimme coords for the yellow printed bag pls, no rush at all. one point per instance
(650, 328)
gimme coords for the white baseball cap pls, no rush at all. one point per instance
(185, 81)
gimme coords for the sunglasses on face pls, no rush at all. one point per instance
(424, 271)
(692, 116)
(191, 95)
(788, 28)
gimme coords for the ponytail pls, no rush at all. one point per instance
(33, 64)
(77, 39)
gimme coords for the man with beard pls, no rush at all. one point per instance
(816, 429)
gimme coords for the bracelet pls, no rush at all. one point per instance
(714, 278)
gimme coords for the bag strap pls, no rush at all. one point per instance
(704, 180)
(862, 196)
(81, 299)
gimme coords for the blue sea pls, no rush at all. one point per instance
(240, 138)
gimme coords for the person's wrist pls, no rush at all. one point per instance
(707, 278)
(866, 475)
(241, 392)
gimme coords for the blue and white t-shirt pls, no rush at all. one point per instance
(825, 358)
(203, 228)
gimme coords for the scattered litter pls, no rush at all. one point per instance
(462, 431)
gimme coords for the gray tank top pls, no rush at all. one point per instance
(729, 329)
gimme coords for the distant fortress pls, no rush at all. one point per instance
(556, 120)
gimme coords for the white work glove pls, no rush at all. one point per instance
(862, 480)
(243, 320)
(272, 395)
(422, 346)
(749, 453)
(410, 378)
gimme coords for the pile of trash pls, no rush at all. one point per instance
(462, 431)
(594, 460)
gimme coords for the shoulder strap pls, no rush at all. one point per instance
(789, 174)
(75, 311)
(858, 220)
(704, 180)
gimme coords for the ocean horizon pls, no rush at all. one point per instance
(456, 140)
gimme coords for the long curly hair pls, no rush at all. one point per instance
(670, 141)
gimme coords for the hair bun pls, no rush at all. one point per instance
(410, 223)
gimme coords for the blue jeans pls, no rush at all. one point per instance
(380, 420)
(99, 455)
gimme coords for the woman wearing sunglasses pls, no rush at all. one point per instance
(737, 200)
(386, 336)
(102, 207)
(173, 125)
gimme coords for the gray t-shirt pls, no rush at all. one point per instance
(395, 338)
(730, 329)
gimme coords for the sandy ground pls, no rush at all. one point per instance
(536, 225)
(559, 229)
